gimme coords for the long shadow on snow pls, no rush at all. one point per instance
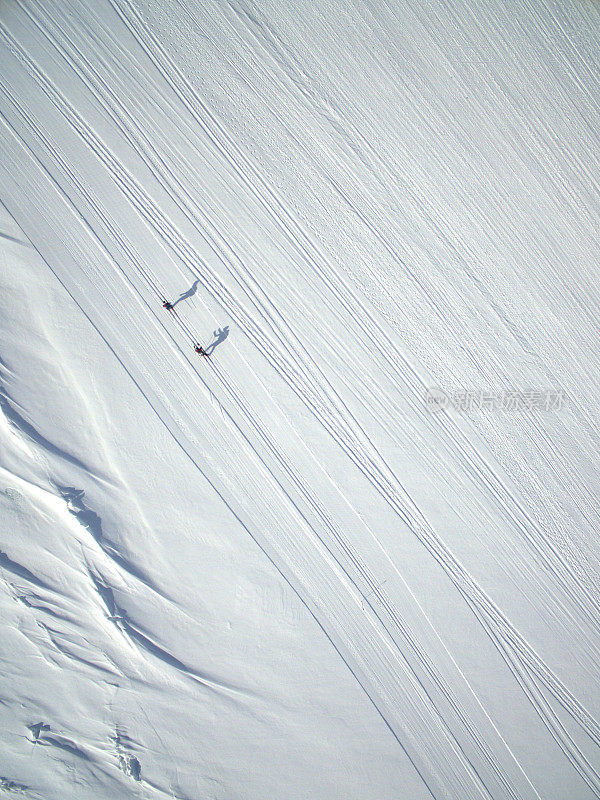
(64, 744)
(90, 520)
(213, 684)
(22, 572)
(220, 335)
(30, 432)
(186, 295)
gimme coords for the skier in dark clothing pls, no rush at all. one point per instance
(167, 305)
(200, 350)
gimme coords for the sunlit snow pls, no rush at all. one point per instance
(352, 552)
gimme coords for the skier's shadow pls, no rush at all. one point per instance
(220, 336)
(189, 293)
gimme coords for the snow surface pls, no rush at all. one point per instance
(276, 573)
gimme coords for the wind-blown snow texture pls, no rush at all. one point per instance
(275, 573)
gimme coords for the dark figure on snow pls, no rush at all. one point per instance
(200, 350)
(167, 305)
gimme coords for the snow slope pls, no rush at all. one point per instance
(275, 572)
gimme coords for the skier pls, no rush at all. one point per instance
(167, 305)
(200, 350)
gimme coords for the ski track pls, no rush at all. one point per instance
(434, 728)
(184, 202)
(472, 461)
(282, 349)
(363, 470)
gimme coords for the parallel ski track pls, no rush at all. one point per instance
(386, 175)
(553, 561)
(323, 270)
(433, 718)
(339, 424)
(461, 254)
